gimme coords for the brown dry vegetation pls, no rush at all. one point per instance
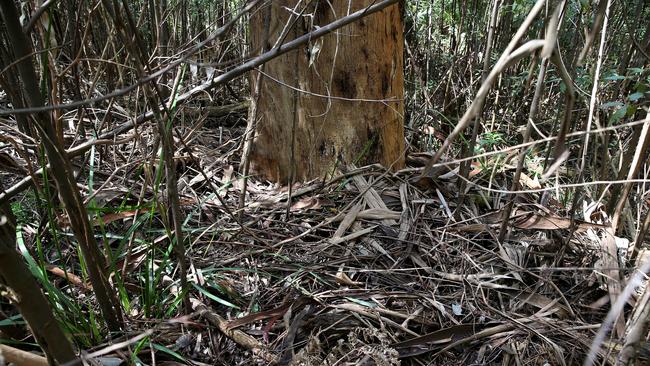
(501, 241)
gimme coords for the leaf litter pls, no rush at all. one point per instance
(368, 268)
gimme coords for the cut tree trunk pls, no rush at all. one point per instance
(338, 100)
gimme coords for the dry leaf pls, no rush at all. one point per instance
(307, 203)
(108, 218)
(227, 174)
(550, 222)
(437, 339)
(539, 222)
(528, 182)
(476, 169)
(71, 277)
(379, 214)
(343, 279)
(543, 303)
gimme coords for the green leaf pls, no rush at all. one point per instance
(614, 77)
(168, 351)
(214, 297)
(13, 320)
(31, 263)
(18, 343)
(612, 105)
(138, 347)
(619, 114)
(636, 70)
(635, 96)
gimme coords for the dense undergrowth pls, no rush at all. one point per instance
(513, 252)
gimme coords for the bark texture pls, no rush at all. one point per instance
(338, 100)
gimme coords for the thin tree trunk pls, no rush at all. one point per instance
(464, 167)
(165, 129)
(63, 173)
(28, 296)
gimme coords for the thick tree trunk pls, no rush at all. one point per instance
(302, 133)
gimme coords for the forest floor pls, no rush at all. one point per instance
(366, 268)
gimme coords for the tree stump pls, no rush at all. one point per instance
(338, 100)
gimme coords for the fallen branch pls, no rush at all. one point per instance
(218, 111)
(19, 357)
(237, 336)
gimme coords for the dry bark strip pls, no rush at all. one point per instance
(353, 235)
(373, 200)
(348, 220)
